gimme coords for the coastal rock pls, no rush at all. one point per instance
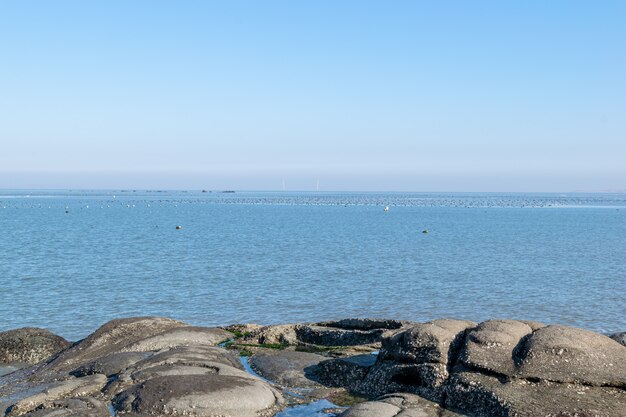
(186, 360)
(113, 337)
(398, 405)
(347, 372)
(568, 354)
(280, 334)
(481, 395)
(40, 394)
(29, 345)
(425, 342)
(198, 395)
(348, 332)
(491, 347)
(109, 365)
(72, 407)
(180, 336)
(286, 367)
(619, 338)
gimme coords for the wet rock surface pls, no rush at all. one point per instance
(151, 366)
(29, 345)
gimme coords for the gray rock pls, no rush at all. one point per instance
(113, 337)
(180, 336)
(40, 394)
(346, 372)
(198, 395)
(29, 345)
(110, 365)
(568, 354)
(348, 332)
(281, 334)
(287, 368)
(398, 405)
(491, 346)
(425, 342)
(619, 338)
(72, 407)
(486, 396)
(424, 379)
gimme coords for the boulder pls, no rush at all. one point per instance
(198, 395)
(29, 345)
(113, 337)
(482, 395)
(286, 367)
(346, 372)
(568, 354)
(491, 346)
(425, 342)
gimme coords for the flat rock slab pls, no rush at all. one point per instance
(38, 395)
(398, 405)
(287, 368)
(481, 395)
(198, 395)
(181, 336)
(72, 407)
(29, 345)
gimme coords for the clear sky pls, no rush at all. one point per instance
(386, 95)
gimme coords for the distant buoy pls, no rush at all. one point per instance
(179, 227)
(425, 231)
(386, 208)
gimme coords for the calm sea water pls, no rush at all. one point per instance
(72, 260)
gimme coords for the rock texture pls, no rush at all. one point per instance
(142, 366)
(29, 345)
(150, 366)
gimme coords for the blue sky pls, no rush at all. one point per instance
(415, 95)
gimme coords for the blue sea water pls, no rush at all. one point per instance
(72, 260)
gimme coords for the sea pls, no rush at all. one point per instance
(71, 260)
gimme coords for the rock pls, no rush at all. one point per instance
(40, 394)
(425, 342)
(109, 365)
(481, 395)
(72, 407)
(345, 372)
(398, 405)
(29, 345)
(198, 395)
(286, 367)
(180, 336)
(113, 337)
(187, 360)
(425, 379)
(348, 332)
(619, 338)
(491, 347)
(281, 334)
(568, 354)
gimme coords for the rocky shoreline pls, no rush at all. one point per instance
(150, 366)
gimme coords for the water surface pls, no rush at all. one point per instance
(72, 260)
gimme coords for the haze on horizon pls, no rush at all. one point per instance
(362, 95)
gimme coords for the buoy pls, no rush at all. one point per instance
(179, 227)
